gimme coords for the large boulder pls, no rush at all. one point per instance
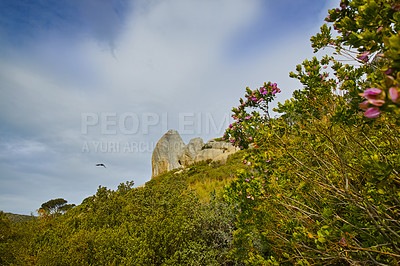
(168, 153)
(191, 150)
(172, 153)
(216, 151)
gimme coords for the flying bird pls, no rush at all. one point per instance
(101, 164)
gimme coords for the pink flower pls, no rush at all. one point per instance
(364, 105)
(247, 180)
(394, 94)
(372, 112)
(379, 29)
(276, 91)
(364, 56)
(376, 102)
(371, 93)
(387, 72)
(247, 117)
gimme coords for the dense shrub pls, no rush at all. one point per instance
(324, 183)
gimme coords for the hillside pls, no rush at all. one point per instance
(176, 218)
(17, 218)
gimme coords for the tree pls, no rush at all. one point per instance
(54, 207)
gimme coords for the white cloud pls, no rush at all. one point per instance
(170, 58)
(25, 147)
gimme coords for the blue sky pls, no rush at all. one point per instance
(100, 81)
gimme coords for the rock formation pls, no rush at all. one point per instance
(167, 153)
(191, 150)
(172, 153)
(216, 151)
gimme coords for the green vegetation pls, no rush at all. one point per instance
(166, 222)
(324, 185)
(54, 207)
(17, 218)
(317, 185)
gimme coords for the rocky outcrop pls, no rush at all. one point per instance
(216, 151)
(191, 150)
(172, 153)
(167, 153)
(207, 154)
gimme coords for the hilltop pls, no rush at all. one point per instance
(17, 218)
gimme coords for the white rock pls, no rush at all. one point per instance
(191, 150)
(167, 153)
(172, 153)
(208, 154)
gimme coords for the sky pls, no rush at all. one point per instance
(100, 81)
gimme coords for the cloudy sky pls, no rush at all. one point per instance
(100, 81)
